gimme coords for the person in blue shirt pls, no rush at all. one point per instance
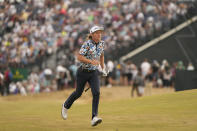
(90, 56)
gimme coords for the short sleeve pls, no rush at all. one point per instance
(103, 46)
(84, 49)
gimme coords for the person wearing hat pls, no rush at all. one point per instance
(90, 56)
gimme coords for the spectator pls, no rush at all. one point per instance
(138, 84)
(145, 67)
(149, 81)
(155, 69)
(109, 79)
(13, 88)
(21, 89)
(180, 66)
(46, 84)
(73, 73)
(63, 77)
(1, 84)
(190, 67)
(7, 80)
(128, 70)
(167, 75)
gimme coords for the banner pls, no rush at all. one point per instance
(19, 74)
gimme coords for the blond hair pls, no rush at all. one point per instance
(89, 37)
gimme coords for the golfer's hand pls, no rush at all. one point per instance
(95, 62)
(105, 72)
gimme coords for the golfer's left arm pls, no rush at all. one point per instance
(102, 60)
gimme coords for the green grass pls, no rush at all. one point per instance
(176, 111)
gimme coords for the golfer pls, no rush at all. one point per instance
(90, 56)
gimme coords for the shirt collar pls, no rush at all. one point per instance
(95, 42)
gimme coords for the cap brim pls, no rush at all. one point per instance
(101, 29)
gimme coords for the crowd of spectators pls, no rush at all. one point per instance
(154, 74)
(31, 29)
(148, 74)
(46, 80)
(161, 74)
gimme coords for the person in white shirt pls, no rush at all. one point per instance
(145, 67)
(110, 67)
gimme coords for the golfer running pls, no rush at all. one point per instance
(90, 56)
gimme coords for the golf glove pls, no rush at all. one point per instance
(105, 72)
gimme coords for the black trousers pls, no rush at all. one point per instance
(92, 78)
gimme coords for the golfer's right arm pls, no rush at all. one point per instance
(83, 59)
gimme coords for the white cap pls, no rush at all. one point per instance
(95, 28)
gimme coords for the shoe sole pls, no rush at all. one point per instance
(98, 122)
(61, 112)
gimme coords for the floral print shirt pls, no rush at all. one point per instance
(92, 51)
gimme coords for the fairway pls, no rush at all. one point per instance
(164, 110)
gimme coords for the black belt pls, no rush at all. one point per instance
(86, 70)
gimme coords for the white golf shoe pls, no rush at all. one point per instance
(64, 112)
(95, 121)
